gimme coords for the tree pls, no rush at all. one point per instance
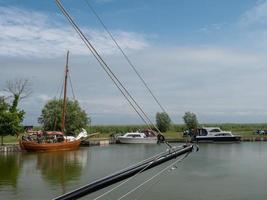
(75, 119)
(190, 119)
(10, 120)
(20, 89)
(10, 117)
(163, 121)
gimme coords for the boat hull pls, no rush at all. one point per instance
(218, 139)
(33, 146)
(125, 140)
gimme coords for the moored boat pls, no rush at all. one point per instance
(215, 134)
(143, 137)
(53, 140)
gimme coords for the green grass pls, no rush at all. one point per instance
(245, 130)
(106, 131)
(10, 139)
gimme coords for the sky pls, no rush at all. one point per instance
(208, 57)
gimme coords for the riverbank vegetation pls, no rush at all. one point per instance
(175, 131)
(244, 129)
(10, 116)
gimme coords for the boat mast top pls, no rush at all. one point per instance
(64, 107)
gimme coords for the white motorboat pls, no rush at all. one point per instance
(143, 137)
(215, 134)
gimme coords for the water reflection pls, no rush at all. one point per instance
(10, 166)
(58, 168)
(221, 171)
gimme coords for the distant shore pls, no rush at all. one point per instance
(246, 131)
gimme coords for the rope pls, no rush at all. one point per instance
(61, 91)
(73, 95)
(147, 189)
(107, 69)
(156, 182)
(130, 63)
(59, 88)
(124, 182)
(97, 57)
(157, 174)
(125, 56)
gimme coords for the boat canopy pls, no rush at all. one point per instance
(54, 133)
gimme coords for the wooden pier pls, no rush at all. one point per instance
(98, 141)
(10, 148)
(253, 139)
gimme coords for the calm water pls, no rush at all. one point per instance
(217, 171)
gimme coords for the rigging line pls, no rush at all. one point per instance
(61, 91)
(71, 86)
(156, 182)
(125, 56)
(89, 46)
(110, 73)
(60, 85)
(157, 174)
(102, 62)
(124, 182)
(147, 189)
(129, 62)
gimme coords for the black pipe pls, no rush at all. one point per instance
(124, 174)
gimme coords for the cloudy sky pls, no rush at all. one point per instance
(208, 57)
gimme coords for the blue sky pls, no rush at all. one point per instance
(205, 56)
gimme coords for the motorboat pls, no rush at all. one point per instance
(140, 137)
(215, 134)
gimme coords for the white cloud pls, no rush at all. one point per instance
(220, 83)
(211, 28)
(43, 98)
(256, 16)
(30, 33)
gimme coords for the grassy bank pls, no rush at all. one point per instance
(244, 129)
(176, 131)
(10, 139)
(106, 131)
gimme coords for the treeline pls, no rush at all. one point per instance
(234, 127)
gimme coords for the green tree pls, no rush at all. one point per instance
(10, 119)
(75, 119)
(190, 119)
(163, 121)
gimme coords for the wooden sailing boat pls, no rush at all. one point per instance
(57, 139)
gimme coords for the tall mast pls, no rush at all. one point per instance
(65, 95)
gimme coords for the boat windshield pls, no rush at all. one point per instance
(202, 132)
(133, 135)
(215, 130)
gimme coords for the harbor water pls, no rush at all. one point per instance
(216, 171)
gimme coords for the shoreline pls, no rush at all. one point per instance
(14, 147)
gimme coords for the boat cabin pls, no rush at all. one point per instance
(211, 130)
